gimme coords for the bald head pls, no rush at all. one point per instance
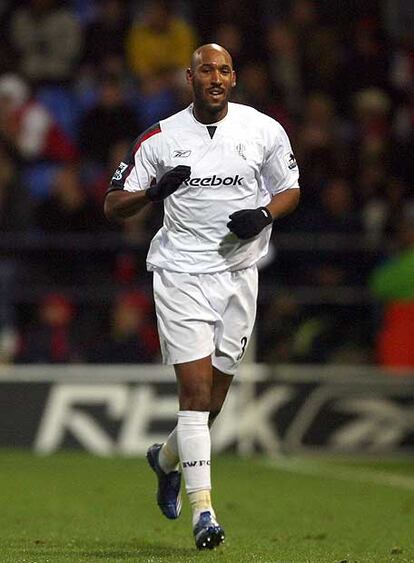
(212, 79)
(206, 51)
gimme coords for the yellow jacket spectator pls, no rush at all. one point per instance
(160, 43)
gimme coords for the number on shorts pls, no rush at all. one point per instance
(243, 343)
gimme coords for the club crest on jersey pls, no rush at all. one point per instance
(240, 148)
(181, 153)
(290, 160)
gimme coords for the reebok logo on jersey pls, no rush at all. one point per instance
(181, 154)
(215, 181)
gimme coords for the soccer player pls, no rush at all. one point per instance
(224, 172)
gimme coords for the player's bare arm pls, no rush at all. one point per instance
(120, 204)
(284, 203)
(248, 223)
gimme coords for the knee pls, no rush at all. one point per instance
(195, 397)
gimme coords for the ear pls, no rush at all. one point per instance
(189, 75)
(234, 81)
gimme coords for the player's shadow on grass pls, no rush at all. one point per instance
(144, 552)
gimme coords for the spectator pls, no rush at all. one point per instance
(367, 60)
(371, 200)
(155, 98)
(110, 121)
(398, 201)
(398, 18)
(277, 329)
(15, 206)
(319, 144)
(51, 339)
(7, 55)
(372, 126)
(69, 209)
(392, 283)
(336, 213)
(322, 57)
(247, 16)
(28, 126)
(294, 332)
(105, 37)
(160, 44)
(47, 38)
(15, 219)
(402, 77)
(132, 336)
(285, 64)
(230, 36)
(334, 217)
(256, 90)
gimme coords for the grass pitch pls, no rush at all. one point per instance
(72, 507)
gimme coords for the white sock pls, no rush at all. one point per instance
(194, 447)
(168, 457)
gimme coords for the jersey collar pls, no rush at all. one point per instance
(216, 124)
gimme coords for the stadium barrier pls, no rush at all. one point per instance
(120, 410)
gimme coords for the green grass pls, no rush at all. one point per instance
(72, 507)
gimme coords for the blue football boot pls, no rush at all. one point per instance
(208, 533)
(169, 485)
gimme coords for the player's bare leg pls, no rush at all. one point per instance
(195, 391)
(168, 456)
(202, 390)
(195, 383)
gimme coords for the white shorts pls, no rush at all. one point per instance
(205, 314)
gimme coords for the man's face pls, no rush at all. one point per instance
(212, 78)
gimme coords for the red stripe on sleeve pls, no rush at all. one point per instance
(145, 137)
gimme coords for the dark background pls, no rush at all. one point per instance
(80, 80)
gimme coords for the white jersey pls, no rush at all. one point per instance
(247, 161)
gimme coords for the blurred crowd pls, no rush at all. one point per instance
(80, 79)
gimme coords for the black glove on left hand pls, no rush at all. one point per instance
(248, 223)
(169, 183)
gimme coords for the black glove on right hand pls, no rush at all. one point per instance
(167, 185)
(248, 223)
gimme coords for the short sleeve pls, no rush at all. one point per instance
(280, 170)
(137, 171)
